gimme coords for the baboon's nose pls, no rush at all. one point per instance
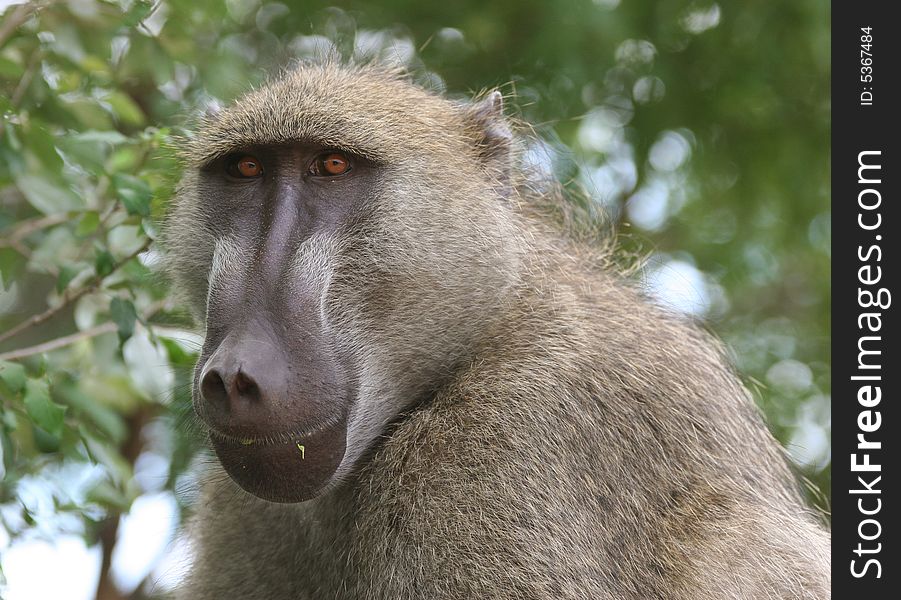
(241, 389)
(226, 388)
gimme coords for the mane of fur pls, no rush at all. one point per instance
(591, 445)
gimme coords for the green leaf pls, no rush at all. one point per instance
(108, 455)
(11, 265)
(90, 148)
(13, 376)
(48, 194)
(12, 137)
(91, 409)
(178, 356)
(104, 263)
(123, 159)
(123, 314)
(96, 66)
(41, 144)
(135, 193)
(138, 12)
(66, 274)
(150, 229)
(100, 137)
(43, 411)
(44, 440)
(126, 109)
(12, 161)
(6, 453)
(89, 113)
(9, 420)
(108, 495)
(10, 69)
(87, 224)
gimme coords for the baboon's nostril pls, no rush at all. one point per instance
(213, 388)
(223, 388)
(246, 386)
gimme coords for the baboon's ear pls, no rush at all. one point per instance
(494, 138)
(211, 111)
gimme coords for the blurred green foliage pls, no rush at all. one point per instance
(701, 128)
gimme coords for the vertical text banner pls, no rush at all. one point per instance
(866, 437)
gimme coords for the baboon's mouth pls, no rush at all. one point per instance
(283, 467)
(274, 438)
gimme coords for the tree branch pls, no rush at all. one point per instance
(66, 340)
(131, 449)
(25, 228)
(69, 297)
(60, 342)
(17, 18)
(25, 81)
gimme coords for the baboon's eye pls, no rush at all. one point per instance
(330, 164)
(245, 167)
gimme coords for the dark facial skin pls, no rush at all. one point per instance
(271, 385)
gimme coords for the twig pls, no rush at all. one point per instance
(101, 225)
(130, 450)
(26, 228)
(60, 342)
(142, 23)
(69, 297)
(18, 246)
(17, 18)
(25, 81)
(67, 340)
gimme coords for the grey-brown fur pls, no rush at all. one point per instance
(529, 425)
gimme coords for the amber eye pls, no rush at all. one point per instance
(245, 167)
(330, 165)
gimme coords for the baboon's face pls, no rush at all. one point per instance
(274, 386)
(344, 259)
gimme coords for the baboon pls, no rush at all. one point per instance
(418, 385)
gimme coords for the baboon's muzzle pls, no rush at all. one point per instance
(277, 411)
